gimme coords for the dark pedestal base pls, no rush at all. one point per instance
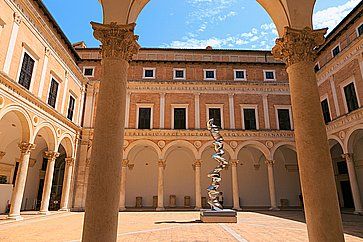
(224, 216)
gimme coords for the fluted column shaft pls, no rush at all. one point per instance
(271, 183)
(354, 184)
(18, 192)
(161, 167)
(235, 188)
(47, 188)
(297, 48)
(123, 185)
(198, 192)
(67, 184)
(103, 192)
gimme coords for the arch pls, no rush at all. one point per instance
(226, 146)
(141, 143)
(333, 138)
(349, 138)
(290, 145)
(182, 143)
(48, 133)
(24, 118)
(257, 145)
(67, 141)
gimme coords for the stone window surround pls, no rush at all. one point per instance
(335, 46)
(145, 105)
(264, 75)
(186, 106)
(71, 93)
(205, 74)
(277, 107)
(240, 79)
(356, 29)
(26, 49)
(179, 69)
(249, 106)
(56, 78)
(344, 84)
(220, 106)
(148, 68)
(88, 67)
(322, 98)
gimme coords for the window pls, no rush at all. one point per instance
(239, 75)
(351, 97)
(209, 74)
(53, 92)
(71, 104)
(149, 73)
(144, 118)
(326, 111)
(316, 67)
(283, 116)
(269, 75)
(179, 74)
(215, 113)
(360, 30)
(26, 71)
(336, 51)
(88, 71)
(249, 119)
(180, 118)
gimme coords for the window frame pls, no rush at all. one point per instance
(240, 79)
(219, 106)
(174, 106)
(277, 107)
(319, 68)
(342, 86)
(356, 29)
(145, 105)
(326, 97)
(340, 50)
(210, 79)
(89, 67)
(74, 108)
(26, 49)
(264, 75)
(250, 106)
(53, 77)
(146, 69)
(179, 69)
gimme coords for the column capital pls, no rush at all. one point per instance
(297, 45)
(234, 162)
(17, 18)
(269, 162)
(51, 155)
(162, 163)
(2, 154)
(348, 157)
(197, 163)
(118, 41)
(47, 51)
(125, 163)
(26, 147)
(69, 161)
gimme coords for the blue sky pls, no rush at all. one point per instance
(237, 24)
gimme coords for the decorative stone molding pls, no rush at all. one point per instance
(269, 144)
(118, 41)
(233, 144)
(298, 45)
(69, 161)
(47, 53)
(125, 163)
(347, 120)
(126, 143)
(2, 154)
(51, 155)
(198, 163)
(26, 147)
(342, 135)
(162, 163)
(269, 162)
(17, 18)
(197, 144)
(131, 166)
(35, 121)
(32, 162)
(88, 162)
(161, 144)
(348, 157)
(2, 102)
(256, 166)
(234, 163)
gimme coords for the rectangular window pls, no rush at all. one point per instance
(26, 71)
(239, 75)
(209, 74)
(336, 51)
(269, 75)
(144, 118)
(351, 97)
(71, 105)
(283, 116)
(215, 113)
(249, 116)
(53, 92)
(326, 111)
(360, 30)
(179, 74)
(149, 73)
(316, 67)
(180, 121)
(88, 71)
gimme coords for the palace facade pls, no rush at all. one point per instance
(48, 103)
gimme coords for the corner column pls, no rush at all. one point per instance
(123, 185)
(103, 192)
(161, 165)
(67, 184)
(353, 183)
(235, 188)
(271, 184)
(298, 48)
(51, 157)
(198, 194)
(18, 192)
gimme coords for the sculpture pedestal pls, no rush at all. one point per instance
(223, 216)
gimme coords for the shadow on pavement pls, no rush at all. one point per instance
(179, 222)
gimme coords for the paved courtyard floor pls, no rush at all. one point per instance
(174, 226)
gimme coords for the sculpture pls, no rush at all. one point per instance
(213, 192)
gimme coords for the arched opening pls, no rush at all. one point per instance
(142, 175)
(287, 180)
(252, 177)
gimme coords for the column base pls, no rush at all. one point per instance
(14, 217)
(44, 212)
(237, 208)
(197, 208)
(64, 210)
(160, 209)
(122, 209)
(358, 212)
(274, 209)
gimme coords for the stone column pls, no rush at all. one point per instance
(123, 185)
(297, 48)
(67, 184)
(103, 192)
(47, 188)
(161, 165)
(18, 191)
(162, 110)
(232, 124)
(266, 114)
(11, 47)
(235, 188)
(271, 184)
(127, 110)
(354, 183)
(198, 193)
(197, 110)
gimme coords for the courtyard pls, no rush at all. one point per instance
(174, 226)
